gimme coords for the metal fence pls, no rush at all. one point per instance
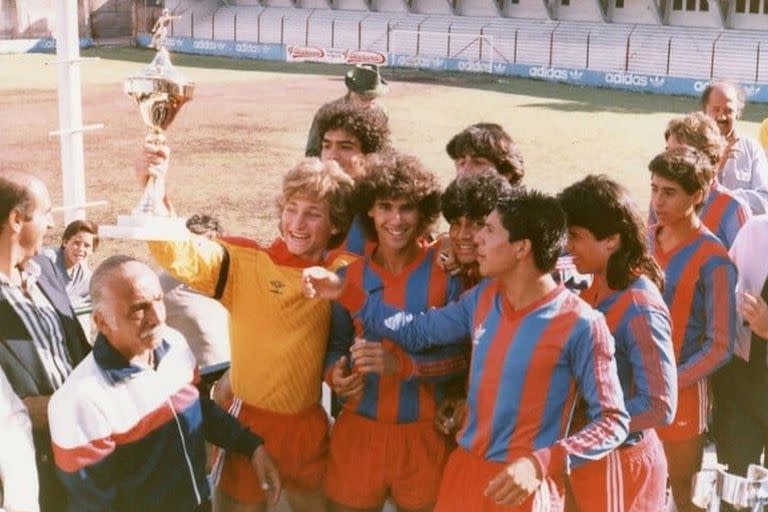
(699, 53)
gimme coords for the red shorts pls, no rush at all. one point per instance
(631, 479)
(692, 414)
(369, 460)
(466, 476)
(298, 443)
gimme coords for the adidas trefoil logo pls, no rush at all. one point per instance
(478, 334)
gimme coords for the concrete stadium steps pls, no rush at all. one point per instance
(646, 49)
(603, 44)
(647, 52)
(763, 71)
(732, 50)
(375, 28)
(526, 9)
(34, 18)
(195, 18)
(432, 7)
(347, 32)
(331, 29)
(224, 20)
(687, 52)
(443, 36)
(532, 40)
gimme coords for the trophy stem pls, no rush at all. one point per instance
(152, 199)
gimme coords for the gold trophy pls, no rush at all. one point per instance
(159, 92)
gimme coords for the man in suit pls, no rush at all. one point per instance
(41, 340)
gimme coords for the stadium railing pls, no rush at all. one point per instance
(700, 53)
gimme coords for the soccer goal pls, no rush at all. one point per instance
(419, 48)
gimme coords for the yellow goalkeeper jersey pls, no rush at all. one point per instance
(278, 337)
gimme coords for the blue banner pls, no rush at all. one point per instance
(43, 45)
(238, 49)
(657, 84)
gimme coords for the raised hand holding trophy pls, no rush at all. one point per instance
(159, 92)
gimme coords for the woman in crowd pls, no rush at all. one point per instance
(79, 241)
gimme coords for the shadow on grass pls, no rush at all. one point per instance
(565, 97)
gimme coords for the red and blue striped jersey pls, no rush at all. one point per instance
(639, 321)
(527, 366)
(413, 394)
(724, 213)
(356, 241)
(699, 289)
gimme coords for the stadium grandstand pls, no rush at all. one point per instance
(695, 39)
(685, 39)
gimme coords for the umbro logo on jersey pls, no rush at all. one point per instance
(276, 287)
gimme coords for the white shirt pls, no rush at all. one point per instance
(750, 243)
(746, 174)
(18, 470)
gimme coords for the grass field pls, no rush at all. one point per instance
(248, 123)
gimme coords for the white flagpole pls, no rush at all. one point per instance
(70, 109)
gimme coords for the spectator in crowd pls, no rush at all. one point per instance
(348, 135)
(723, 212)
(745, 168)
(764, 134)
(18, 473)
(385, 431)
(699, 292)
(40, 337)
(485, 145)
(80, 240)
(364, 87)
(535, 345)
(607, 240)
(128, 426)
(203, 321)
(742, 414)
(278, 337)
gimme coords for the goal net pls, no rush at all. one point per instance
(418, 48)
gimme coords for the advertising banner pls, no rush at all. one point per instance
(238, 49)
(43, 45)
(656, 84)
(294, 53)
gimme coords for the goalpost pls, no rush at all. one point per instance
(475, 52)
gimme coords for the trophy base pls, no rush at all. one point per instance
(146, 227)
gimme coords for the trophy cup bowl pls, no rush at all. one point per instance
(159, 93)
